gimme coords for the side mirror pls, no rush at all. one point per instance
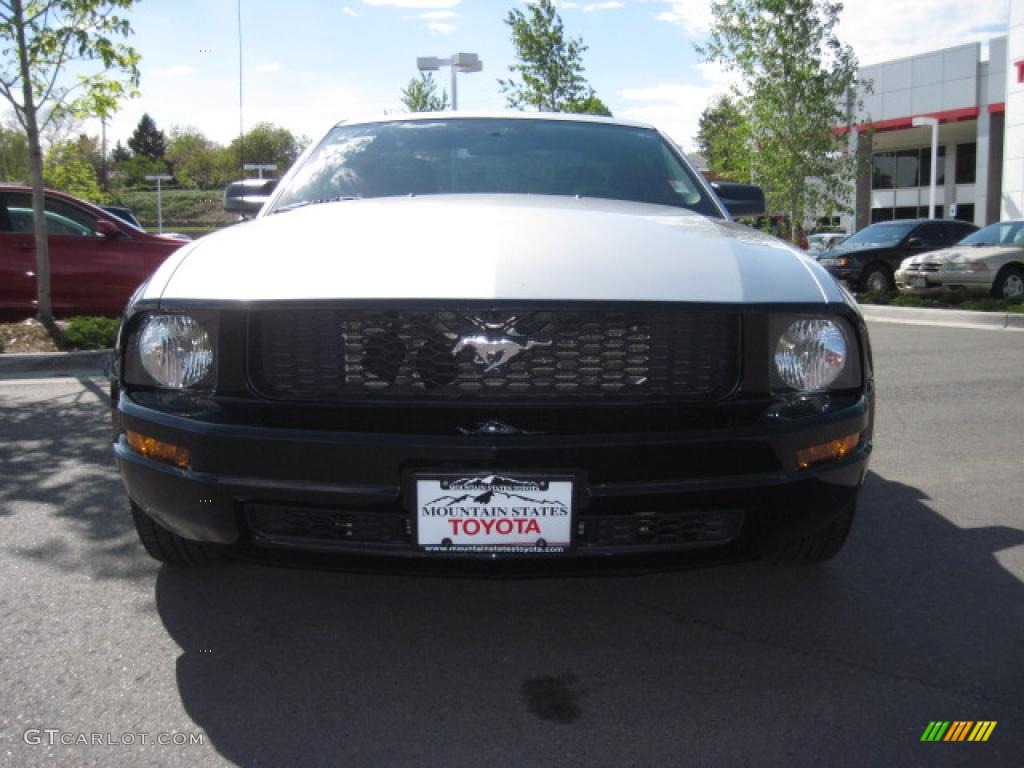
(248, 195)
(915, 242)
(107, 229)
(740, 199)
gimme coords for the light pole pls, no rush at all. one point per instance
(260, 167)
(159, 210)
(459, 62)
(934, 123)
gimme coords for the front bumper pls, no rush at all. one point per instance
(263, 489)
(940, 282)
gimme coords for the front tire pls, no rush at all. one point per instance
(877, 279)
(1009, 284)
(821, 545)
(170, 548)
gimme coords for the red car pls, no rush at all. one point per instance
(96, 259)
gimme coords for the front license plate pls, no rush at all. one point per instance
(917, 281)
(502, 513)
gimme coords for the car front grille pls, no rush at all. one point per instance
(517, 354)
(279, 525)
(924, 267)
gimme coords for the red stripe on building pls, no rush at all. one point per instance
(997, 109)
(902, 123)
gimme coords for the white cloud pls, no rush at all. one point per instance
(275, 66)
(178, 70)
(414, 3)
(675, 107)
(692, 16)
(348, 10)
(880, 30)
(440, 26)
(607, 6)
(438, 15)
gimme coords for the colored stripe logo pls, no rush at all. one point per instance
(958, 730)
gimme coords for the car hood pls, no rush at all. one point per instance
(491, 247)
(858, 248)
(966, 252)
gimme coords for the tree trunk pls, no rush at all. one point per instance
(44, 307)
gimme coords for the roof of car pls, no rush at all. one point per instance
(510, 115)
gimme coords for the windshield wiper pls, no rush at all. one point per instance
(303, 203)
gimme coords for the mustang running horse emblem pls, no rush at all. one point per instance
(492, 352)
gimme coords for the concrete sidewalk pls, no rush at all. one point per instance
(51, 364)
(949, 318)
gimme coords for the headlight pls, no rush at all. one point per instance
(811, 354)
(175, 350)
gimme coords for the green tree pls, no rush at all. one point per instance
(421, 95)
(550, 65)
(61, 57)
(723, 139)
(133, 171)
(120, 153)
(14, 165)
(590, 106)
(69, 171)
(266, 143)
(146, 140)
(797, 76)
(192, 157)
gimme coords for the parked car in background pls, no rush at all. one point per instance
(823, 241)
(124, 214)
(97, 260)
(128, 215)
(867, 260)
(990, 261)
(448, 336)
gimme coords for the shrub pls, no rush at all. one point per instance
(90, 332)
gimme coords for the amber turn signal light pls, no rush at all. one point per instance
(152, 448)
(830, 451)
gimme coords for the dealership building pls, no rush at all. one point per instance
(976, 92)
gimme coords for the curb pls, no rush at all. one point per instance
(950, 318)
(46, 364)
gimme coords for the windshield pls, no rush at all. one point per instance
(1007, 233)
(495, 156)
(883, 233)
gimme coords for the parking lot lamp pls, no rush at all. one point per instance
(459, 62)
(159, 210)
(934, 123)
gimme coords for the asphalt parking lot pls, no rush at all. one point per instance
(920, 618)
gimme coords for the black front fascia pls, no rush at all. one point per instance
(735, 457)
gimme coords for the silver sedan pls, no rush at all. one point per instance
(989, 261)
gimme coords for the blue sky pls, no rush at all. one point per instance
(309, 63)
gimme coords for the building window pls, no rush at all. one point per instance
(966, 161)
(926, 166)
(965, 212)
(907, 161)
(883, 170)
(906, 168)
